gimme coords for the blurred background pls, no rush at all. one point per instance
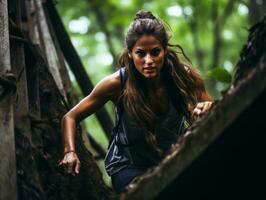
(211, 32)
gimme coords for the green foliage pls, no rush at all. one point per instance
(90, 38)
(220, 74)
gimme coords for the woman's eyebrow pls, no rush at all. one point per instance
(141, 49)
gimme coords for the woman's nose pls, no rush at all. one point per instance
(148, 59)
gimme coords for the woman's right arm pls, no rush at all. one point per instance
(107, 89)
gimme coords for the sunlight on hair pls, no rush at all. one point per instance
(80, 25)
(175, 11)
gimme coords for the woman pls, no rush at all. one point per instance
(155, 97)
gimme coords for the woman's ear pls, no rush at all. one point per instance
(129, 55)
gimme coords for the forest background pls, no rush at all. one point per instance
(211, 32)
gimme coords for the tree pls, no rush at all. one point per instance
(40, 104)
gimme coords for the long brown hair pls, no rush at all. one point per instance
(182, 82)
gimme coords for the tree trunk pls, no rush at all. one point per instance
(76, 66)
(49, 49)
(8, 189)
(27, 174)
(39, 108)
(256, 10)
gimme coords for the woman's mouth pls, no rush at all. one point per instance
(149, 68)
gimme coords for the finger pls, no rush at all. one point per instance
(69, 169)
(200, 105)
(62, 162)
(207, 105)
(196, 111)
(77, 167)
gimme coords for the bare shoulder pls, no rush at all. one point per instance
(109, 86)
(111, 82)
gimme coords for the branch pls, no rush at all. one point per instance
(8, 188)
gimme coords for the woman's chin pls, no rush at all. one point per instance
(150, 75)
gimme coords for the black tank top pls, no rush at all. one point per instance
(129, 146)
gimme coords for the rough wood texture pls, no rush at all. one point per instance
(88, 184)
(76, 65)
(220, 134)
(49, 49)
(72, 97)
(8, 188)
(21, 108)
(27, 177)
(30, 14)
(47, 149)
(67, 86)
(41, 106)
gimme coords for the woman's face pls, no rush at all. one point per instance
(148, 56)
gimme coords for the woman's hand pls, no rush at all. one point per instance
(201, 107)
(70, 163)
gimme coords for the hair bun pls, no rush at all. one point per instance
(144, 15)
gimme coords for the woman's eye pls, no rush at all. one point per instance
(155, 52)
(140, 53)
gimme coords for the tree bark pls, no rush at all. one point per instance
(49, 49)
(72, 98)
(8, 188)
(47, 147)
(26, 166)
(256, 11)
(77, 67)
(38, 174)
(31, 20)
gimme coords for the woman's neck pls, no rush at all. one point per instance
(153, 84)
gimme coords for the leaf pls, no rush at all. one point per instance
(220, 74)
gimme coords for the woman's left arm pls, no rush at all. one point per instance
(204, 103)
(204, 100)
